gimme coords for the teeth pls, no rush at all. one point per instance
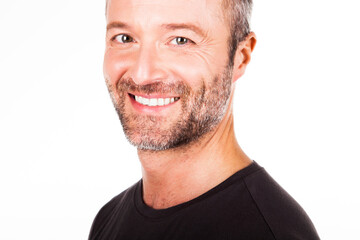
(146, 101)
(153, 102)
(160, 101)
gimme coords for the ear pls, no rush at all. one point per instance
(243, 55)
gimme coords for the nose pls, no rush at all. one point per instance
(147, 67)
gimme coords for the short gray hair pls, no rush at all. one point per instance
(237, 13)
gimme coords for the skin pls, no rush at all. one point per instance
(153, 55)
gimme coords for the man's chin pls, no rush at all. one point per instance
(150, 146)
(158, 143)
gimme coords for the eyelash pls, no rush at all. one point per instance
(188, 40)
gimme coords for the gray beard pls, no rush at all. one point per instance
(201, 111)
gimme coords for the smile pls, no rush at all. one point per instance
(154, 102)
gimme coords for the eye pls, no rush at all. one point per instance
(180, 41)
(123, 38)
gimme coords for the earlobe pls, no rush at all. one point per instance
(243, 55)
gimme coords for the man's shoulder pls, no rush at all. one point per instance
(284, 216)
(106, 213)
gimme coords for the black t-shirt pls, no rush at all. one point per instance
(249, 205)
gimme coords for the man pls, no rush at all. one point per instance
(171, 67)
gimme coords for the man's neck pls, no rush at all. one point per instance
(178, 175)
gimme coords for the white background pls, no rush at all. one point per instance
(62, 151)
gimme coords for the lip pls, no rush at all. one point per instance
(150, 109)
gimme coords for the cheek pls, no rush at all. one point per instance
(114, 66)
(191, 69)
(202, 64)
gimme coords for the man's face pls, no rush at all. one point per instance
(166, 67)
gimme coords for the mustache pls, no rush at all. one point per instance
(178, 87)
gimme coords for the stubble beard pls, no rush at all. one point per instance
(201, 111)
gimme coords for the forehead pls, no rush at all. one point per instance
(147, 12)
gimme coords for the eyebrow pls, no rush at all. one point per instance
(170, 26)
(186, 26)
(117, 25)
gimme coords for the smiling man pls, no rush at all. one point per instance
(171, 67)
